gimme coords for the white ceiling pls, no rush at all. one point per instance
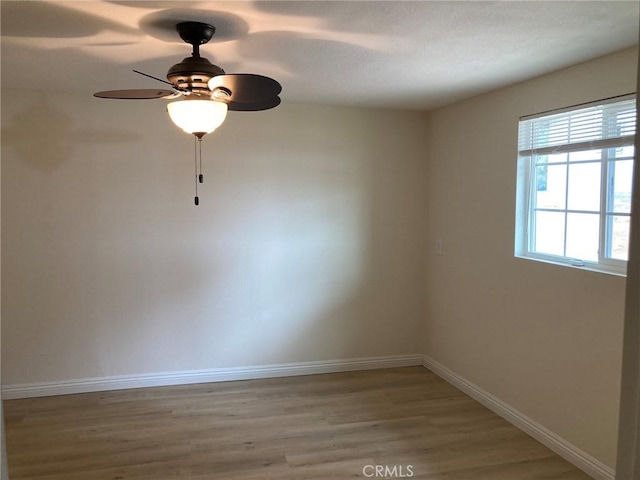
(414, 55)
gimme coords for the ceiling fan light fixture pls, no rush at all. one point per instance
(197, 116)
(206, 92)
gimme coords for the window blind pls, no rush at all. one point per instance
(598, 125)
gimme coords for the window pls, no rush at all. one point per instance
(575, 169)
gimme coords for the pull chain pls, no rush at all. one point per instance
(195, 161)
(201, 176)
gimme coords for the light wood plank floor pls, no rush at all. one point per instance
(295, 428)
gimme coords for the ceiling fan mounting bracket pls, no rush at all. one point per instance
(196, 34)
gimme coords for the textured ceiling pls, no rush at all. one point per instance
(414, 55)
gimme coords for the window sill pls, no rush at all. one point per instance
(590, 267)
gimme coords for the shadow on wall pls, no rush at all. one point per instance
(84, 267)
(286, 234)
(303, 248)
(337, 237)
(44, 136)
(304, 276)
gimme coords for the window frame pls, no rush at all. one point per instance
(526, 193)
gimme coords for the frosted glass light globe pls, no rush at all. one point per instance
(197, 116)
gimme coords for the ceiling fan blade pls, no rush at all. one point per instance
(247, 87)
(139, 94)
(254, 106)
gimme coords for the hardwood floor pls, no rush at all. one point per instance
(312, 427)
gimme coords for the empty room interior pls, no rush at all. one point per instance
(315, 239)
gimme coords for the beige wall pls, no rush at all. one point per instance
(303, 248)
(543, 338)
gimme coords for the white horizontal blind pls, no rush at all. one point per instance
(598, 125)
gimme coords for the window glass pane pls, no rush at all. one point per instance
(583, 236)
(619, 237)
(620, 198)
(551, 186)
(557, 157)
(584, 186)
(541, 159)
(585, 155)
(549, 236)
(622, 152)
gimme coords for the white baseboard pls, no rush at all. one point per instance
(566, 450)
(85, 385)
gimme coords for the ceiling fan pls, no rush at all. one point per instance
(204, 92)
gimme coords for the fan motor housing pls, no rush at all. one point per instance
(193, 73)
